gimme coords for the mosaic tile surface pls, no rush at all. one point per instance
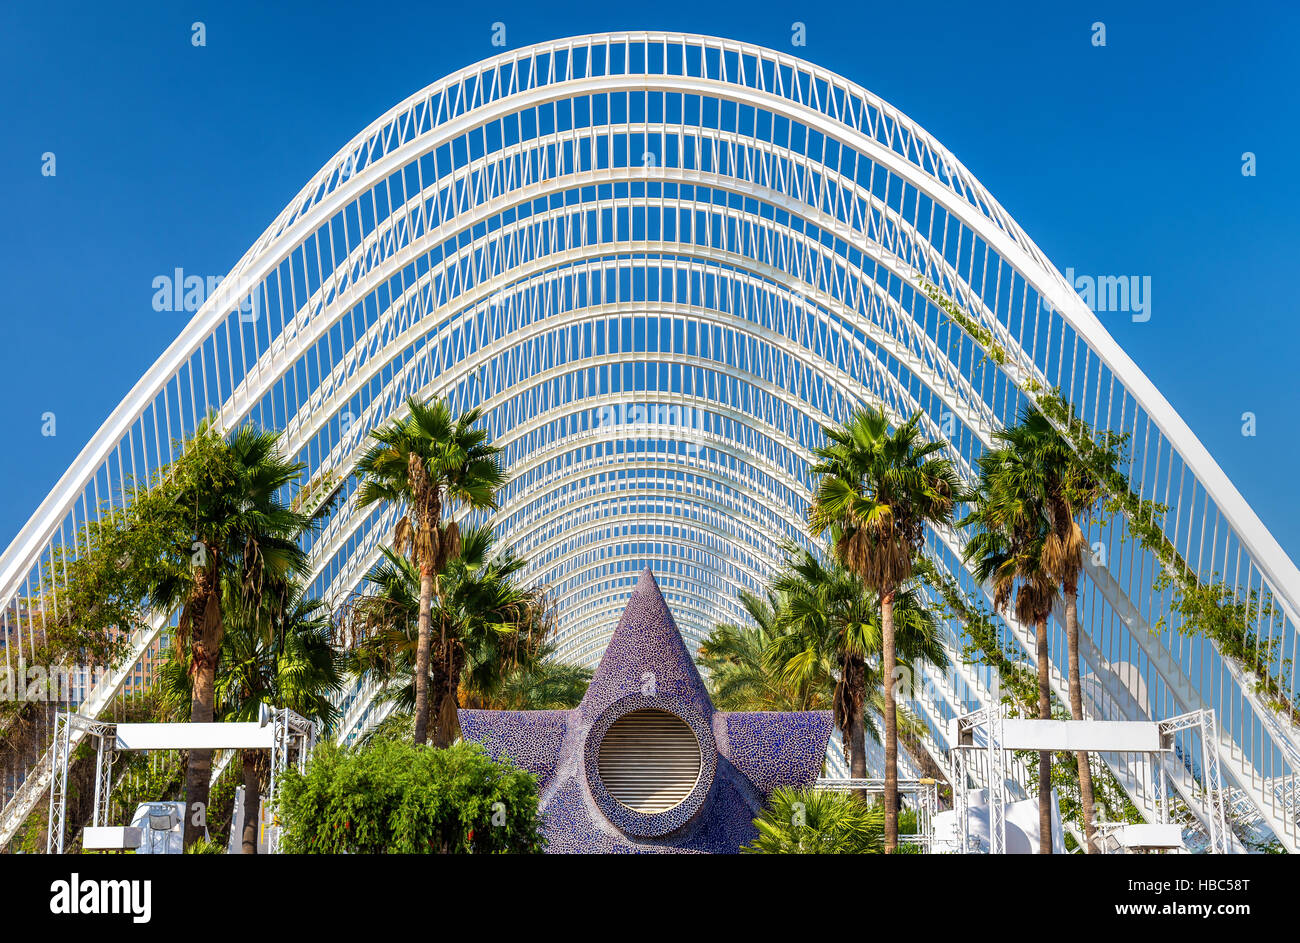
(743, 756)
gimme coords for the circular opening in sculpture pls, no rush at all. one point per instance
(649, 760)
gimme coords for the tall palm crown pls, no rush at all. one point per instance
(878, 490)
(430, 460)
(1062, 486)
(232, 492)
(1011, 562)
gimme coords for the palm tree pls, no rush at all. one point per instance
(830, 617)
(244, 534)
(279, 656)
(1065, 487)
(740, 675)
(431, 461)
(1007, 552)
(817, 822)
(879, 489)
(494, 634)
(492, 626)
(377, 627)
(278, 653)
(539, 683)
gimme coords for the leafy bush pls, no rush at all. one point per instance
(818, 822)
(393, 797)
(206, 846)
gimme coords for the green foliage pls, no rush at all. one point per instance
(397, 798)
(141, 550)
(494, 635)
(1244, 625)
(205, 847)
(229, 490)
(818, 822)
(877, 491)
(221, 803)
(540, 684)
(981, 335)
(907, 825)
(275, 651)
(142, 777)
(92, 592)
(817, 629)
(735, 659)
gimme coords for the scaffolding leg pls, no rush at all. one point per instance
(58, 786)
(100, 789)
(104, 779)
(1213, 783)
(961, 801)
(997, 785)
(1162, 790)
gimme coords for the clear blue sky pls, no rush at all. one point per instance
(1117, 160)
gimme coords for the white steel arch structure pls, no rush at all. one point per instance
(660, 263)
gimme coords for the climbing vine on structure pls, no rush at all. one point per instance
(1244, 625)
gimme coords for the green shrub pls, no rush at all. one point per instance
(205, 847)
(818, 822)
(393, 797)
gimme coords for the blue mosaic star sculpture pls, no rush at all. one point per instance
(743, 757)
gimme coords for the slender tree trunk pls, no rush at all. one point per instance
(205, 647)
(199, 766)
(1044, 756)
(857, 732)
(252, 802)
(890, 662)
(1086, 797)
(422, 650)
(448, 724)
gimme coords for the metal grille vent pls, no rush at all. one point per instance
(649, 761)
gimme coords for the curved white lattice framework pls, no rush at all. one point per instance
(661, 263)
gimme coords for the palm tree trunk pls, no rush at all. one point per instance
(447, 731)
(205, 647)
(198, 767)
(422, 648)
(890, 662)
(1044, 756)
(1086, 797)
(855, 668)
(252, 802)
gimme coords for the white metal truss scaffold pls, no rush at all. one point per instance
(1161, 745)
(660, 263)
(286, 735)
(921, 793)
